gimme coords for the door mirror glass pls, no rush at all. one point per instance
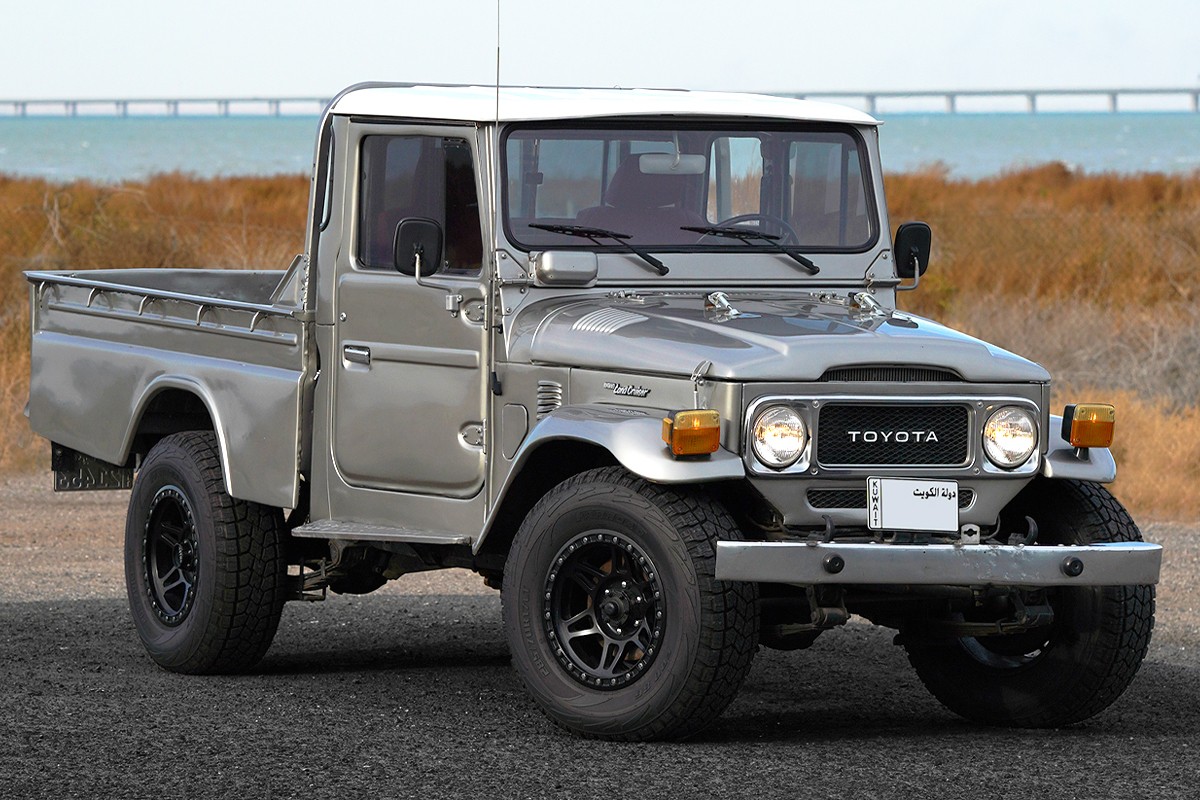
(911, 248)
(418, 246)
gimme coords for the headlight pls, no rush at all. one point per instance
(779, 437)
(1010, 436)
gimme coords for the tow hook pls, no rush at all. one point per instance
(1028, 538)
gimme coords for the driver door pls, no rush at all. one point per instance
(409, 393)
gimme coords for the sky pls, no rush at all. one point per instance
(129, 49)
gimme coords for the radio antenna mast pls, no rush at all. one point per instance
(497, 64)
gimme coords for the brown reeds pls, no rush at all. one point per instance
(167, 221)
(1092, 275)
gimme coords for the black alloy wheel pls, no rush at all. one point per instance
(604, 607)
(170, 555)
(206, 573)
(616, 622)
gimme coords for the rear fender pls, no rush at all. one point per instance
(193, 387)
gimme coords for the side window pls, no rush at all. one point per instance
(418, 176)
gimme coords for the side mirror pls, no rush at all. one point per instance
(417, 249)
(911, 249)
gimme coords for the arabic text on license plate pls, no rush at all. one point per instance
(905, 504)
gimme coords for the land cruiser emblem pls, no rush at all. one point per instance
(626, 390)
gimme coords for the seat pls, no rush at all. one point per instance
(648, 207)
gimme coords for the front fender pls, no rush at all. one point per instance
(1063, 460)
(634, 437)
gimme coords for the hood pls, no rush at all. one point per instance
(753, 338)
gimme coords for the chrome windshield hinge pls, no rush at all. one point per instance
(697, 380)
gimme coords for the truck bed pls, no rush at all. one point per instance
(113, 348)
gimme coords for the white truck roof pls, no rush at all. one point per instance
(479, 104)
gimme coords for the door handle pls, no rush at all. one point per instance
(357, 354)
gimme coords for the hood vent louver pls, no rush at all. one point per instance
(606, 320)
(890, 374)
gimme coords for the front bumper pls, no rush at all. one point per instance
(804, 564)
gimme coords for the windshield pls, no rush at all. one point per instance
(803, 188)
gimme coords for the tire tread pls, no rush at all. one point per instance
(729, 630)
(250, 567)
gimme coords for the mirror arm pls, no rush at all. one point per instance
(916, 262)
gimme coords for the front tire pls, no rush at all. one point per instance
(616, 624)
(205, 573)
(1070, 670)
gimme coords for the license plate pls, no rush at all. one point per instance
(905, 504)
(76, 472)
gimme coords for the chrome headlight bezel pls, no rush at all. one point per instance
(1010, 436)
(776, 420)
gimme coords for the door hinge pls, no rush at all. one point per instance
(473, 434)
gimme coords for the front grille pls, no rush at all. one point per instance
(890, 374)
(857, 498)
(852, 435)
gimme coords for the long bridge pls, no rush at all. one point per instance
(1034, 100)
(950, 101)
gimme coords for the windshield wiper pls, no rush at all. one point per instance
(745, 235)
(595, 234)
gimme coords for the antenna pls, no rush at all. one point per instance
(497, 64)
(494, 158)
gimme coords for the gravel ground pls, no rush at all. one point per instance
(408, 693)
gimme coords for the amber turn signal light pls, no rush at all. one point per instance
(695, 432)
(1089, 424)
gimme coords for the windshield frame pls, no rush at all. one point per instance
(716, 125)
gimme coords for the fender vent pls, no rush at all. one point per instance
(549, 397)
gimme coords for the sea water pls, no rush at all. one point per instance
(969, 145)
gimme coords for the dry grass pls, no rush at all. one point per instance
(1092, 275)
(1158, 455)
(168, 221)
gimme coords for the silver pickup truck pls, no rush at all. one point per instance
(634, 357)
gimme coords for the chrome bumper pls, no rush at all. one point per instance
(1113, 564)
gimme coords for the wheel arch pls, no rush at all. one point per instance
(173, 404)
(542, 468)
(574, 439)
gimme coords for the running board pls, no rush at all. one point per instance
(359, 531)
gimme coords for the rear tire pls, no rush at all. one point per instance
(1070, 670)
(205, 573)
(615, 622)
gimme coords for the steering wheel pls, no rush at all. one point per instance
(789, 233)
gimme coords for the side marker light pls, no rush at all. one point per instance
(1089, 424)
(693, 432)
